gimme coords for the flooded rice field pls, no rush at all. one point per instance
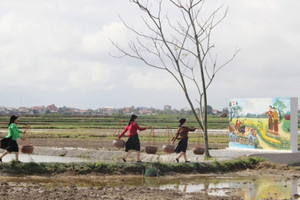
(265, 187)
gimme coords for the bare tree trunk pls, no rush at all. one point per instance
(207, 154)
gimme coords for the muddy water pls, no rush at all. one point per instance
(244, 187)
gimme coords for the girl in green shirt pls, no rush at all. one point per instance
(9, 143)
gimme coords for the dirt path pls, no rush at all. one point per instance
(96, 143)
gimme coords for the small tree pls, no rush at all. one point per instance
(181, 47)
(279, 105)
(209, 109)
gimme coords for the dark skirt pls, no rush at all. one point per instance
(10, 145)
(276, 125)
(182, 145)
(133, 143)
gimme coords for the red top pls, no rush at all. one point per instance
(133, 127)
(238, 123)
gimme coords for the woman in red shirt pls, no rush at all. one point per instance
(133, 142)
(238, 124)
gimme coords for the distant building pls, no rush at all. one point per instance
(83, 111)
(106, 110)
(3, 110)
(216, 112)
(25, 111)
(127, 110)
(167, 107)
(52, 108)
(12, 111)
(38, 109)
(142, 108)
(145, 112)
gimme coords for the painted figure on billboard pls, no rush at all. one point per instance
(251, 126)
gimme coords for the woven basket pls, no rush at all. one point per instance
(151, 149)
(168, 148)
(118, 143)
(28, 149)
(198, 150)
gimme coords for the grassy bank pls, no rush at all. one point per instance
(147, 169)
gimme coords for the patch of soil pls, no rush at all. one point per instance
(30, 188)
(269, 166)
(283, 171)
(38, 191)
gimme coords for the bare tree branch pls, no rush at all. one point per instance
(183, 48)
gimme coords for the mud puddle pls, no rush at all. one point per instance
(243, 187)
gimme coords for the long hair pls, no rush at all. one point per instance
(132, 118)
(12, 119)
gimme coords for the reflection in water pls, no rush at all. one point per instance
(246, 187)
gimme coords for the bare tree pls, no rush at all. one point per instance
(177, 39)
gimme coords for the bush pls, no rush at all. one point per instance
(152, 172)
(147, 169)
(26, 168)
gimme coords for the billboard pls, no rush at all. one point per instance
(263, 123)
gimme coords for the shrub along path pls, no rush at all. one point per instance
(148, 169)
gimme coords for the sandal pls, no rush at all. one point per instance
(139, 161)
(0, 159)
(124, 159)
(187, 161)
(177, 160)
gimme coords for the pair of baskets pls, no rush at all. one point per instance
(169, 148)
(150, 149)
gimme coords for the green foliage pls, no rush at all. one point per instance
(25, 168)
(286, 126)
(215, 164)
(148, 169)
(56, 168)
(234, 111)
(152, 172)
(109, 122)
(132, 168)
(280, 106)
(163, 167)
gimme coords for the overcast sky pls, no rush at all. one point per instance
(57, 51)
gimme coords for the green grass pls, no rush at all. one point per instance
(103, 127)
(109, 122)
(147, 169)
(49, 126)
(286, 126)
